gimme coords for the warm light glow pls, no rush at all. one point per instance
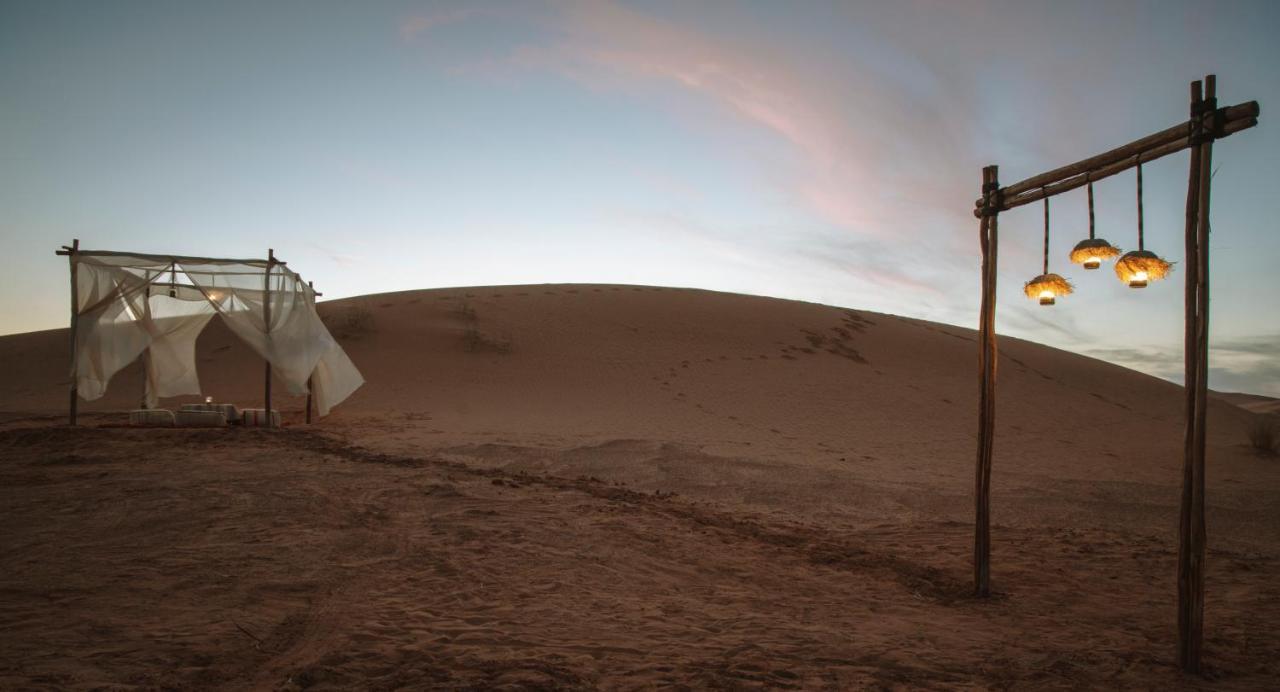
(215, 295)
(1046, 297)
(1139, 280)
(208, 400)
(1092, 263)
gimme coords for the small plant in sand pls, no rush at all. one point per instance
(465, 312)
(352, 322)
(1263, 437)
(476, 341)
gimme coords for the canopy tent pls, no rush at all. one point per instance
(126, 305)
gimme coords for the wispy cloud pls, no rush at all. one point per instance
(1249, 363)
(848, 172)
(413, 26)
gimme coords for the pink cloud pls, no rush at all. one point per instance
(866, 153)
(846, 129)
(414, 26)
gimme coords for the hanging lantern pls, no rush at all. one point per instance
(1090, 253)
(1141, 266)
(1047, 287)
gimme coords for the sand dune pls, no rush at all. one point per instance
(1251, 402)
(579, 486)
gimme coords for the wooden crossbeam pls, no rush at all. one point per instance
(1168, 141)
(180, 259)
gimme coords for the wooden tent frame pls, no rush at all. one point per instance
(1207, 123)
(73, 251)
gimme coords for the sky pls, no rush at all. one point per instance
(819, 151)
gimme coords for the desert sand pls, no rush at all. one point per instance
(594, 486)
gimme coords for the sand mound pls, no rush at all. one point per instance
(579, 486)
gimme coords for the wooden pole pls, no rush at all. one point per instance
(146, 353)
(1191, 533)
(75, 323)
(1191, 265)
(988, 239)
(311, 286)
(266, 320)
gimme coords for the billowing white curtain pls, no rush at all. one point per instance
(171, 358)
(131, 304)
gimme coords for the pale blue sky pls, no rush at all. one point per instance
(819, 151)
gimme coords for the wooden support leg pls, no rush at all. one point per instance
(1191, 533)
(1190, 374)
(988, 238)
(73, 408)
(266, 319)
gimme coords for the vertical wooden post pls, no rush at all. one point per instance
(311, 286)
(266, 322)
(988, 239)
(1191, 530)
(146, 353)
(75, 323)
(1191, 266)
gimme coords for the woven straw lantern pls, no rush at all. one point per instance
(1047, 287)
(1141, 266)
(1091, 252)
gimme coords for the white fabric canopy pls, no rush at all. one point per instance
(130, 304)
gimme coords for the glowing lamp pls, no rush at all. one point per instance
(1140, 267)
(208, 400)
(1047, 287)
(1090, 253)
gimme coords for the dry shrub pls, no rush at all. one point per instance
(465, 312)
(473, 339)
(352, 322)
(476, 341)
(1263, 437)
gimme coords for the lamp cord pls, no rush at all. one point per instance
(1091, 210)
(1140, 245)
(1046, 236)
